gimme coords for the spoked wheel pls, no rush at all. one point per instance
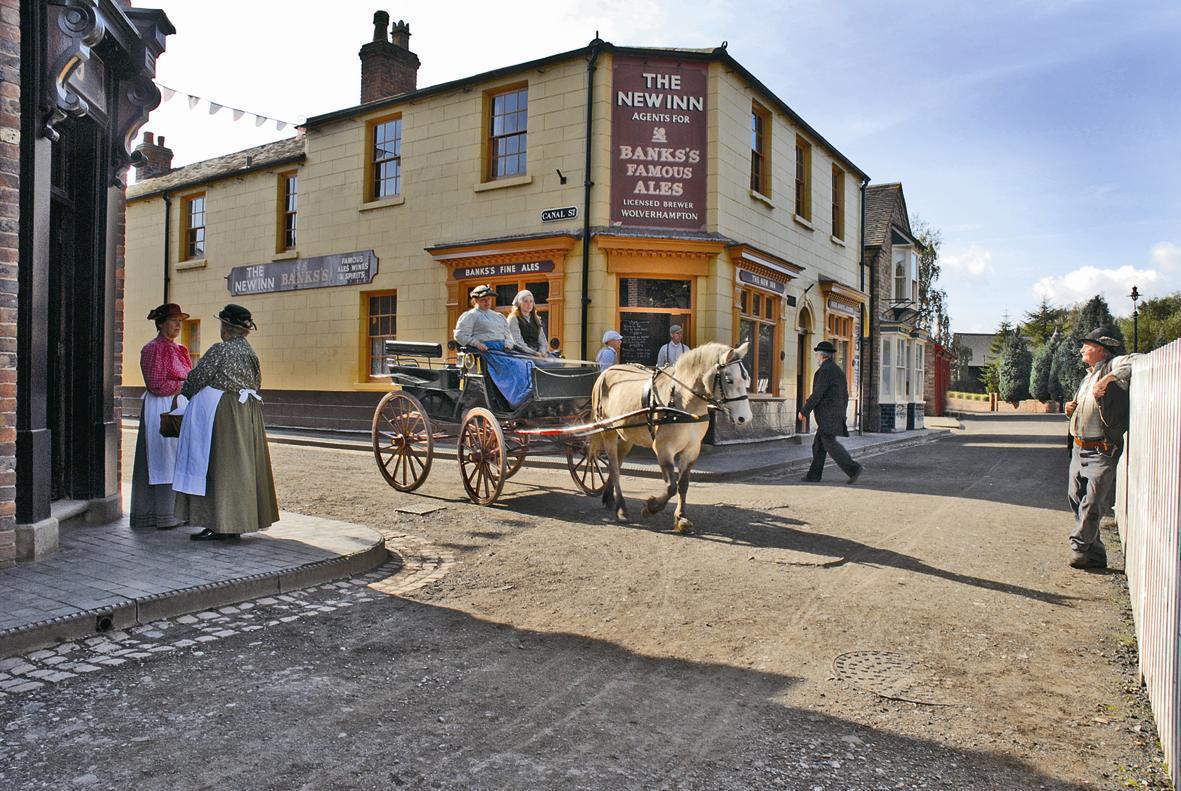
(588, 470)
(482, 456)
(516, 460)
(403, 442)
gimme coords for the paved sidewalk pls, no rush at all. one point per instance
(110, 577)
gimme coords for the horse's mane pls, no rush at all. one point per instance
(700, 358)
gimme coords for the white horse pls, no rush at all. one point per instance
(708, 377)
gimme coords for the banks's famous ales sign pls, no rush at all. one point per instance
(658, 137)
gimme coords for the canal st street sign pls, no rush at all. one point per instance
(564, 213)
(339, 269)
(752, 279)
(504, 270)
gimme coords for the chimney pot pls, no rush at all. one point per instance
(161, 143)
(156, 159)
(381, 24)
(149, 139)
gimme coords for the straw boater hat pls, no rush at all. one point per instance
(237, 316)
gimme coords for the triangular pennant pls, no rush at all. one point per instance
(259, 120)
(214, 107)
(193, 101)
(238, 114)
(280, 125)
(166, 93)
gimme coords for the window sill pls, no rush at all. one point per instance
(761, 198)
(285, 255)
(804, 221)
(837, 240)
(192, 263)
(498, 184)
(397, 200)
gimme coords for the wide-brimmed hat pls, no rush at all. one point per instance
(169, 310)
(611, 335)
(826, 347)
(482, 291)
(237, 316)
(674, 329)
(1105, 337)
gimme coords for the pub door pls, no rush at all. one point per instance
(801, 378)
(75, 258)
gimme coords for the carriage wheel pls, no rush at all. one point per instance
(516, 460)
(481, 456)
(588, 471)
(403, 442)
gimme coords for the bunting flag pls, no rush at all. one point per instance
(214, 108)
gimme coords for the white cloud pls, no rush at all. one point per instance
(975, 262)
(1167, 255)
(1085, 282)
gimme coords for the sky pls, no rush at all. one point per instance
(1041, 138)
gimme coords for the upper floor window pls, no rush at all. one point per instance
(760, 149)
(385, 158)
(193, 234)
(508, 121)
(838, 202)
(906, 275)
(288, 204)
(803, 178)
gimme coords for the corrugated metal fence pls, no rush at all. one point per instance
(1148, 507)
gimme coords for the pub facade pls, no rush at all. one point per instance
(627, 188)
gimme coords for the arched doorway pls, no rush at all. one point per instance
(803, 354)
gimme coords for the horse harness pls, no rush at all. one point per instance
(671, 412)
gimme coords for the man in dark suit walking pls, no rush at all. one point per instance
(829, 400)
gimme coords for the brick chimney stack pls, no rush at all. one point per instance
(157, 158)
(388, 68)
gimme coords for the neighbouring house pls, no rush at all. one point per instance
(75, 87)
(976, 357)
(628, 188)
(938, 364)
(895, 348)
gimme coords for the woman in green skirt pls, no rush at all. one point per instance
(223, 478)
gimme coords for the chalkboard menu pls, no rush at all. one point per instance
(644, 334)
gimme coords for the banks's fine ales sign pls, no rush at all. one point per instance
(658, 138)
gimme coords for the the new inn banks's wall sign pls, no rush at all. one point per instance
(338, 269)
(658, 140)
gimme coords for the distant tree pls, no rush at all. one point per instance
(1159, 322)
(1013, 371)
(1067, 368)
(1043, 322)
(1039, 374)
(933, 313)
(1096, 314)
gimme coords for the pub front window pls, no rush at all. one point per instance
(758, 316)
(382, 326)
(647, 308)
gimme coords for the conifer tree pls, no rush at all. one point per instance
(1014, 369)
(1039, 375)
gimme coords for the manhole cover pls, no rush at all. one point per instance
(889, 675)
(420, 509)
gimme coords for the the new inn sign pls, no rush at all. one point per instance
(339, 269)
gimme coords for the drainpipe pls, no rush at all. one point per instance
(866, 321)
(595, 47)
(167, 226)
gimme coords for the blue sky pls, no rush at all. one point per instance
(1042, 138)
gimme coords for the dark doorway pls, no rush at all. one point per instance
(801, 376)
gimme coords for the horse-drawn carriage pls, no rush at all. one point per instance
(593, 418)
(440, 401)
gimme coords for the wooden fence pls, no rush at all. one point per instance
(1148, 509)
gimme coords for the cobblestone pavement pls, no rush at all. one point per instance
(414, 563)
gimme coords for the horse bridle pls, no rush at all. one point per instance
(714, 403)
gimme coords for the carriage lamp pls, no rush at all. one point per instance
(1135, 295)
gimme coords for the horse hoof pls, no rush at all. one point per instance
(653, 506)
(621, 516)
(683, 526)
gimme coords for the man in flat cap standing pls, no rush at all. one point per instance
(671, 352)
(1098, 419)
(829, 400)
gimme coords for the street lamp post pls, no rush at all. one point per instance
(1135, 295)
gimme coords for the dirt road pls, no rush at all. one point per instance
(563, 650)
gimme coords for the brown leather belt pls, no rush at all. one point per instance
(1093, 444)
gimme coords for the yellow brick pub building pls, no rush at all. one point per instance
(627, 188)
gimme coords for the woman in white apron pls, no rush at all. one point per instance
(223, 476)
(165, 365)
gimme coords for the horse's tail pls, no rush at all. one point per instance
(598, 443)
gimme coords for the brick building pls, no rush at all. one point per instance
(627, 188)
(75, 85)
(895, 349)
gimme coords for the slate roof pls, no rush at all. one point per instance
(260, 157)
(880, 200)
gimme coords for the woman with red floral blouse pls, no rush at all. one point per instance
(165, 365)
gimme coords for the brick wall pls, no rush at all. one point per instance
(10, 66)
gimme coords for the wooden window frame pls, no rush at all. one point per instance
(839, 331)
(900, 372)
(803, 179)
(490, 139)
(367, 338)
(920, 379)
(887, 370)
(373, 162)
(687, 325)
(287, 209)
(838, 202)
(770, 313)
(188, 246)
(760, 149)
(190, 337)
(900, 282)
